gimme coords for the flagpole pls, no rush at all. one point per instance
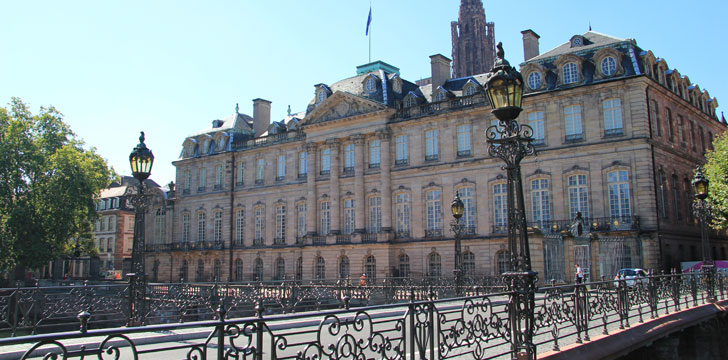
(370, 33)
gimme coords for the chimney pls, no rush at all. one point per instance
(530, 44)
(440, 67)
(261, 116)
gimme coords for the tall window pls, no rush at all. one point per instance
(500, 206)
(202, 179)
(239, 226)
(401, 156)
(655, 118)
(535, 120)
(241, 173)
(467, 195)
(217, 270)
(370, 267)
(301, 219)
(402, 202)
(217, 227)
(344, 267)
(619, 204)
(302, 163)
(469, 263)
(218, 176)
(201, 227)
(349, 158)
(200, 275)
(280, 269)
(571, 74)
(375, 214)
(281, 174)
(185, 227)
(687, 195)
(572, 118)
(325, 218)
(434, 266)
(540, 203)
(434, 212)
(259, 225)
(432, 151)
(464, 140)
(188, 181)
(319, 272)
(258, 269)
(503, 261)
(612, 116)
(662, 188)
(326, 161)
(404, 266)
(184, 271)
(676, 199)
(238, 270)
(280, 224)
(299, 268)
(260, 171)
(681, 128)
(159, 226)
(374, 148)
(578, 196)
(668, 116)
(349, 216)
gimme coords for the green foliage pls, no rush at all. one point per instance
(716, 171)
(48, 183)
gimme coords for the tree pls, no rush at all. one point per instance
(48, 185)
(716, 171)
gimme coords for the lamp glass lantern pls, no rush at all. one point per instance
(700, 185)
(457, 207)
(141, 160)
(504, 88)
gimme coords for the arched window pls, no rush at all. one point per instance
(319, 272)
(578, 196)
(349, 216)
(434, 212)
(440, 96)
(500, 210)
(344, 267)
(258, 270)
(402, 201)
(185, 227)
(467, 195)
(201, 227)
(570, 72)
(280, 269)
(469, 90)
(259, 225)
(609, 66)
(468, 263)
(325, 218)
(676, 198)
(299, 268)
(239, 227)
(375, 214)
(370, 267)
(434, 266)
(183, 271)
(540, 202)
(200, 274)
(238, 269)
(404, 266)
(502, 261)
(216, 271)
(619, 203)
(159, 226)
(217, 228)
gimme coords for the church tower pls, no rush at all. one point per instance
(473, 40)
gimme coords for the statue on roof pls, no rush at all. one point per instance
(237, 108)
(289, 110)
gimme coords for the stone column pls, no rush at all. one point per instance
(385, 136)
(333, 144)
(311, 195)
(359, 167)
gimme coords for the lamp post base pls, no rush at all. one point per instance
(521, 305)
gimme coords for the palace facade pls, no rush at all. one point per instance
(361, 181)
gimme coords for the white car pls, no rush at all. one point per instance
(632, 276)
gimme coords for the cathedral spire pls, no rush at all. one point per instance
(473, 40)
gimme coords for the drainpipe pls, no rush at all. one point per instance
(232, 214)
(654, 178)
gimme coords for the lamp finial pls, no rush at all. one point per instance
(141, 137)
(499, 52)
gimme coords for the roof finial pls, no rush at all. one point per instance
(141, 137)
(237, 108)
(289, 110)
(499, 53)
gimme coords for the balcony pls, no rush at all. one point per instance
(303, 176)
(442, 106)
(367, 238)
(280, 178)
(258, 242)
(402, 235)
(464, 153)
(599, 224)
(279, 241)
(431, 157)
(401, 162)
(217, 187)
(430, 233)
(343, 239)
(500, 229)
(238, 244)
(258, 181)
(300, 240)
(185, 246)
(617, 132)
(318, 240)
(374, 166)
(269, 140)
(349, 170)
(574, 137)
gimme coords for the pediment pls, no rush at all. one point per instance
(341, 105)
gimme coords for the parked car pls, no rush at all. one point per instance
(632, 276)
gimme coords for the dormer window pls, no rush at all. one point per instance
(321, 95)
(440, 96)
(609, 66)
(410, 101)
(469, 90)
(534, 80)
(397, 85)
(370, 85)
(570, 73)
(577, 41)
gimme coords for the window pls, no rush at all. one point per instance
(325, 218)
(572, 118)
(201, 227)
(609, 66)
(692, 135)
(185, 227)
(344, 267)
(301, 220)
(319, 272)
(503, 262)
(570, 73)
(401, 150)
(619, 204)
(540, 202)
(103, 225)
(440, 96)
(500, 210)
(431, 145)
(612, 117)
(321, 95)
(374, 147)
(302, 163)
(241, 173)
(203, 179)
(200, 274)
(260, 171)
(535, 120)
(216, 270)
(349, 158)
(469, 90)
(434, 266)
(370, 267)
(410, 101)
(661, 180)
(668, 116)
(217, 228)
(655, 118)
(404, 266)
(464, 140)
(681, 128)
(299, 268)
(110, 245)
(578, 196)
(280, 269)
(238, 270)
(239, 226)
(371, 85)
(188, 181)
(467, 195)
(259, 225)
(469, 263)
(325, 161)
(258, 270)
(687, 194)
(102, 243)
(402, 203)
(534, 80)
(676, 199)
(434, 213)
(280, 224)
(349, 216)
(281, 174)
(218, 177)
(375, 214)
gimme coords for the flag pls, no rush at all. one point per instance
(369, 20)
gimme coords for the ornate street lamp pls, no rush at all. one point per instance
(511, 142)
(141, 160)
(704, 213)
(457, 207)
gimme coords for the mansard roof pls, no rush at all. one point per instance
(593, 41)
(236, 122)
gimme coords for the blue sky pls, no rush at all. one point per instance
(169, 68)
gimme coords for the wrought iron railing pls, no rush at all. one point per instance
(369, 237)
(318, 240)
(343, 239)
(185, 246)
(597, 224)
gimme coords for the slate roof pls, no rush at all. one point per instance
(595, 39)
(230, 122)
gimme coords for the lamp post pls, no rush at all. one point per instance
(704, 213)
(141, 160)
(511, 142)
(457, 207)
